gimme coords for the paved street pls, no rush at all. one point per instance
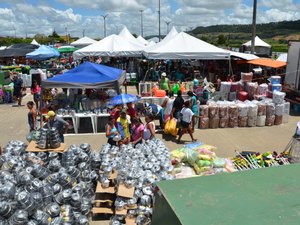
(13, 122)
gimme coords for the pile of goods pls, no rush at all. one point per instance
(47, 188)
(254, 160)
(137, 168)
(199, 159)
(223, 114)
(48, 138)
(245, 89)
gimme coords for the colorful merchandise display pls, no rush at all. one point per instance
(199, 159)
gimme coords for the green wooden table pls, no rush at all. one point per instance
(268, 196)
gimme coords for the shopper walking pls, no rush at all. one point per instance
(36, 92)
(187, 121)
(194, 106)
(177, 105)
(168, 106)
(31, 116)
(18, 86)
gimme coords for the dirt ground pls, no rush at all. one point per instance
(14, 126)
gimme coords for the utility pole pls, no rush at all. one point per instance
(253, 26)
(67, 37)
(168, 23)
(104, 23)
(83, 31)
(159, 20)
(142, 29)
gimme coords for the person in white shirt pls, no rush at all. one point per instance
(168, 106)
(186, 119)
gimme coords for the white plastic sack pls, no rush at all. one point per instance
(262, 89)
(278, 97)
(243, 110)
(252, 110)
(279, 109)
(252, 121)
(225, 87)
(261, 121)
(270, 109)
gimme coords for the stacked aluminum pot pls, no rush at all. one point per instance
(47, 188)
(140, 167)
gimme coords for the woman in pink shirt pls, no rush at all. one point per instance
(36, 92)
(137, 131)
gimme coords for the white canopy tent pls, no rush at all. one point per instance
(82, 42)
(34, 42)
(282, 57)
(125, 33)
(244, 56)
(154, 39)
(142, 40)
(111, 46)
(257, 42)
(173, 32)
(261, 48)
(185, 46)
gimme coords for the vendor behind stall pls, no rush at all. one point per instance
(57, 122)
(164, 83)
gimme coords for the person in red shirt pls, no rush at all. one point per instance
(131, 110)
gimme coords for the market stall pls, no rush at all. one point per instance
(111, 46)
(88, 76)
(83, 42)
(185, 46)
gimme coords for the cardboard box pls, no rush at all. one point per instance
(130, 221)
(98, 210)
(122, 212)
(104, 198)
(32, 147)
(123, 191)
(100, 189)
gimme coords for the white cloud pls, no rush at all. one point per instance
(76, 15)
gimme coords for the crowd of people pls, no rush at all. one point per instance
(125, 124)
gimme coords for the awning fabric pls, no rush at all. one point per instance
(88, 75)
(267, 62)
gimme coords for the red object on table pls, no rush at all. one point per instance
(243, 96)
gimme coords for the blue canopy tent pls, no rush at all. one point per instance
(88, 75)
(42, 53)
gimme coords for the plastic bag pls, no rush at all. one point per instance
(170, 127)
(190, 156)
(219, 162)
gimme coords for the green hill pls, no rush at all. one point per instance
(276, 33)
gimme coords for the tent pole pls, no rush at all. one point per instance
(230, 67)
(40, 108)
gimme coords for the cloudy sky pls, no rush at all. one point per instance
(29, 17)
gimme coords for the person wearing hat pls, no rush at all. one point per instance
(61, 125)
(124, 126)
(164, 83)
